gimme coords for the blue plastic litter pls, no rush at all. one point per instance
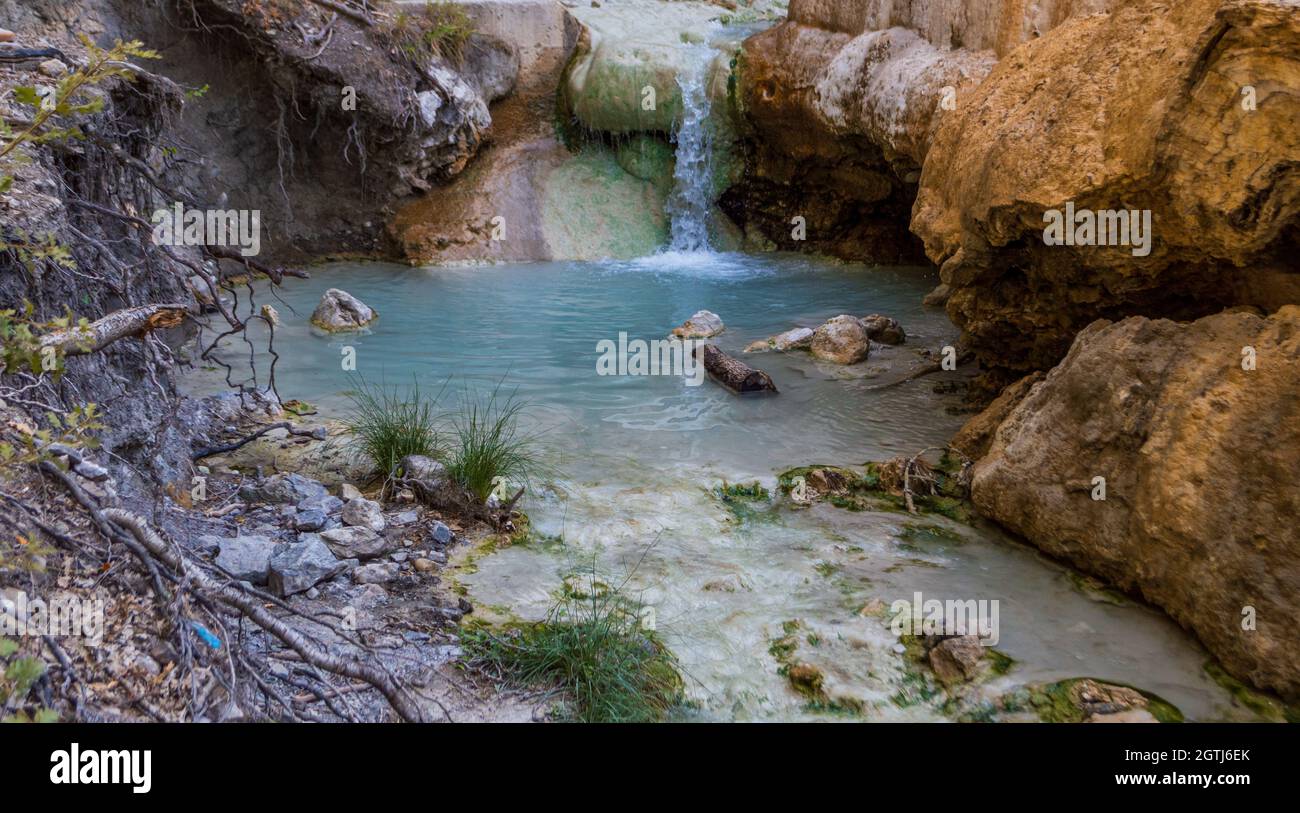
(208, 638)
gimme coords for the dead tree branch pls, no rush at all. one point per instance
(314, 434)
(75, 341)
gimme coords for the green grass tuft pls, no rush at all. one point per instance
(595, 651)
(490, 447)
(387, 425)
(440, 27)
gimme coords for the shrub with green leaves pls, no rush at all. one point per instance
(22, 345)
(53, 109)
(74, 428)
(64, 101)
(18, 674)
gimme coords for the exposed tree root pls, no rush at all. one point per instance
(192, 586)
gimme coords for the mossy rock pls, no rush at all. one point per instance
(917, 536)
(593, 209)
(748, 502)
(647, 158)
(1058, 702)
(604, 86)
(847, 489)
(1264, 705)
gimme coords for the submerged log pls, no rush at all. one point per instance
(732, 373)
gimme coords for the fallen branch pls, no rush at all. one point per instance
(76, 341)
(167, 562)
(276, 274)
(933, 367)
(310, 651)
(315, 434)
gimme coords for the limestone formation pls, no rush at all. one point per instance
(1183, 110)
(839, 104)
(1198, 456)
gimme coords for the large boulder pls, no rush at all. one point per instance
(339, 311)
(1198, 457)
(1180, 110)
(976, 436)
(842, 340)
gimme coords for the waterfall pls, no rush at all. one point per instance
(691, 201)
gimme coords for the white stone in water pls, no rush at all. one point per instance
(799, 338)
(340, 310)
(703, 325)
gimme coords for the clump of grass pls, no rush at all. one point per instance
(441, 28)
(491, 449)
(742, 491)
(389, 425)
(595, 651)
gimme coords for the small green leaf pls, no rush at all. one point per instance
(23, 673)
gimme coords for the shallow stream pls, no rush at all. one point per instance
(634, 462)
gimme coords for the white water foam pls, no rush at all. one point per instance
(691, 202)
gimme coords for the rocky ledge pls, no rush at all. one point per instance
(1161, 456)
(861, 115)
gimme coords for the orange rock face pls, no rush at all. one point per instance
(1201, 505)
(1183, 110)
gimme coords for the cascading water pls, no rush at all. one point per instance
(691, 201)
